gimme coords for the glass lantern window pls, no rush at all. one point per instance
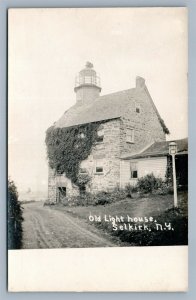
(88, 79)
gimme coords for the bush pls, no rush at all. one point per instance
(14, 218)
(100, 198)
(83, 179)
(149, 183)
(48, 203)
(115, 195)
(81, 200)
(130, 189)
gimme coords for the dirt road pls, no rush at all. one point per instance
(44, 227)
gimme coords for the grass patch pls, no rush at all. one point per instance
(159, 207)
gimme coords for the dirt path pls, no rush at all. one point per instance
(47, 228)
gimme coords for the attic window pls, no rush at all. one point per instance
(130, 135)
(100, 135)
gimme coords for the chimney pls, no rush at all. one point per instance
(140, 82)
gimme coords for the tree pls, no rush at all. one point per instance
(14, 217)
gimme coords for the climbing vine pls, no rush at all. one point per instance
(165, 129)
(68, 147)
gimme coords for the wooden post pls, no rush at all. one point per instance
(174, 181)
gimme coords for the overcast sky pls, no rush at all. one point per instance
(48, 47)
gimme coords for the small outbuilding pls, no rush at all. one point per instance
(155, 159)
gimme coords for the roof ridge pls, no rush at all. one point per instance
(122, 91)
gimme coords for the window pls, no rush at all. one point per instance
(88, 79)
(99, 166)
(137, 108)
(59, 173)
(99, 169)
(100, 135)
(133, 170)
(130, 135)
(83, 171)
(81, 135)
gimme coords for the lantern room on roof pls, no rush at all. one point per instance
(129, 124)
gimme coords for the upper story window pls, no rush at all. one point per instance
(59, 173)
(100, 135)
(99, 166)
(137, 108)
(83, 171)
(99, 169)
(133, 170)
(81, 135)
(130, 135)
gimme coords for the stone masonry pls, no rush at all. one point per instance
(136, 112)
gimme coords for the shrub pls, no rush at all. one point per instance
(14, 217)
(102, 198)
(119, 194)
(83, 179)
(48, 203)
(115, 195)
(81, 200)
(130, 189)
(149, 183)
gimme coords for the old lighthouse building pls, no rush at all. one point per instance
(129, 123)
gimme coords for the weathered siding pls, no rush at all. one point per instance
(157, 166)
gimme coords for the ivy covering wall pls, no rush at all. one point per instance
(165, 129)
(68, 147)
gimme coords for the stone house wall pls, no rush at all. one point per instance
(105, 154)
(51, 185)
(147, 129)
(146, 126)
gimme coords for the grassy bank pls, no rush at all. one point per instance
(153, 207)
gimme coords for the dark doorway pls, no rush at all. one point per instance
(82, 190)
(61, 193)
(182, 170)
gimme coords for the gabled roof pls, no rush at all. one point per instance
(106, 107)
(161, 149)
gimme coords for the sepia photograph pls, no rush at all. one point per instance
(97, 128)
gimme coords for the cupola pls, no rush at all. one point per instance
(87, 85)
